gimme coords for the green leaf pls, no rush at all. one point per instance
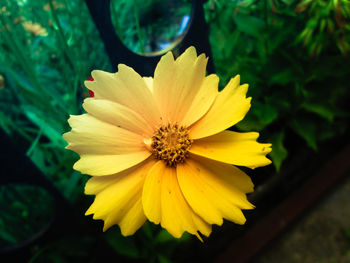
(265, 113)
(282, 78)
(147, 229)
(163, 259)
(322, 110)
(261, 115)
(163, 236)
(279, 153)
(307, 130)
(38, 157)
(249, 25)
(123, 245)
(48, 127)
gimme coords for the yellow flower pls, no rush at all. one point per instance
(34, 28)
(157, 147)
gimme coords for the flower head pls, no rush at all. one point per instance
(34, 28)
(158, 148)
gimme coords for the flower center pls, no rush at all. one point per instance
(171, 143)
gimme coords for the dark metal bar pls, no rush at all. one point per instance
(196, 35)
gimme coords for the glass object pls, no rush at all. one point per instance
(150, 27)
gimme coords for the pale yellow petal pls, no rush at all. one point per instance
(98, 183)
(90, 135)
(163, 80)
(229, 107)
(118, 198)
(149, 83)
(203, 100)
(99, 165)
(118, 115)
(233, 148)
(125, 87)
(209, 193)
(176, 83)
(169, 206)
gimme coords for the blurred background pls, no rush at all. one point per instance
(293, 53)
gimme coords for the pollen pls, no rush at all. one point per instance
(171, 143)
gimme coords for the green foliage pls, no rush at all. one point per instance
(44, 58)
(158, 244)
(298, 81)
(279, 152)
(74, 248)
(327, 24)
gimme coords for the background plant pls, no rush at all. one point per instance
(298, 80)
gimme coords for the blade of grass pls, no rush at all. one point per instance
(138, 28)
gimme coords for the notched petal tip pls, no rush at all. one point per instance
(251, 206)
(88, 84)
(65, 136)
(267, 148)
(244, 88)
(190, 51)
(199, 237)
(96, 73)
(122, 67)
(71, 119)
(105, 228)
(77, 167)
(166, 59)
(262, 164)
(242, 222)
(90, 210)
(88, 99)
(235, 81)
(204, 57)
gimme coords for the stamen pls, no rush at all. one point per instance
(171, 143)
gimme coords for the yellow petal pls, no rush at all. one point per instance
(229, 107)
(212, 195)
(164, 202)
(176, 83)
(133, 219)
(118, 199)
(149, 83)
(90, 135)
(229, 174)
(233, 148)
(125, 87)
(163, 78)
(151, 194)
(118, 115)
(99, 165)
(98, 183)
(203, 100)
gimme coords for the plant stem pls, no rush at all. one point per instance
(138, 28)
(70, 55)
